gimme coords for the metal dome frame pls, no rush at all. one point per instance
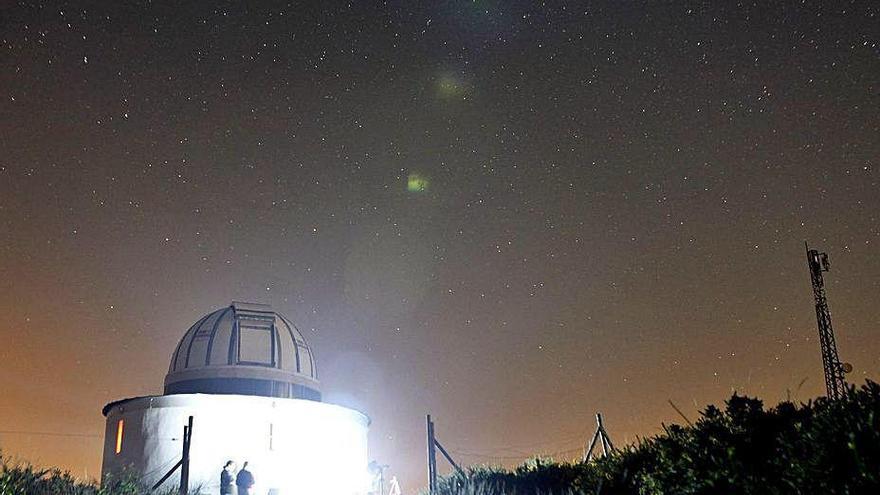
(270, 362)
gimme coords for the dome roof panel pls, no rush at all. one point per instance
(218, 348)
(286, 343)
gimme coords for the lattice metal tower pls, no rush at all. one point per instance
(834, 369)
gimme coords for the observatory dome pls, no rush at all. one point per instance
(245, 349)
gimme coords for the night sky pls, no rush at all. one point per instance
(507, 214)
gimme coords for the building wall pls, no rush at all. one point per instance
(292, 445)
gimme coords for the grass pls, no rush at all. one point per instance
(21, 478)
(821, 447)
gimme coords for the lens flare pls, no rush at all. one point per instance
(416, 183)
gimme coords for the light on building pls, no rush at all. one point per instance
(119, 428)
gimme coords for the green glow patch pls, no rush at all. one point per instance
(449, 86)
(416, 183)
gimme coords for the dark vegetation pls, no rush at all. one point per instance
(821, 447)
(25, 479)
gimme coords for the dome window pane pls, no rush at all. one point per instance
(256, 345)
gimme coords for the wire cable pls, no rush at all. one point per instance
(522, 456)
(49, 434)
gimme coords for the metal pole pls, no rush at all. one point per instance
(447, 456)
(183, 463)
(608, 439)
(182, 490)
(432, 459)
(167, 475)
(589, 453)
(601, 436)
(184, 468)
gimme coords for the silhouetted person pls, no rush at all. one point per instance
(245, 480)
(227, 477)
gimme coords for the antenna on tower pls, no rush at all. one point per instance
(834, 369)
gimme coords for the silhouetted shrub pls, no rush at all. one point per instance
(24, 479)
(821, 447)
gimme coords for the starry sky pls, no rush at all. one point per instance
(507, 214)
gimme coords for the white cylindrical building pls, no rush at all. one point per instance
(248, 379)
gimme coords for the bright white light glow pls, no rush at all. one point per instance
(292, 446)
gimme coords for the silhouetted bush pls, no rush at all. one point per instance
(25, 479)
(821, 447)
